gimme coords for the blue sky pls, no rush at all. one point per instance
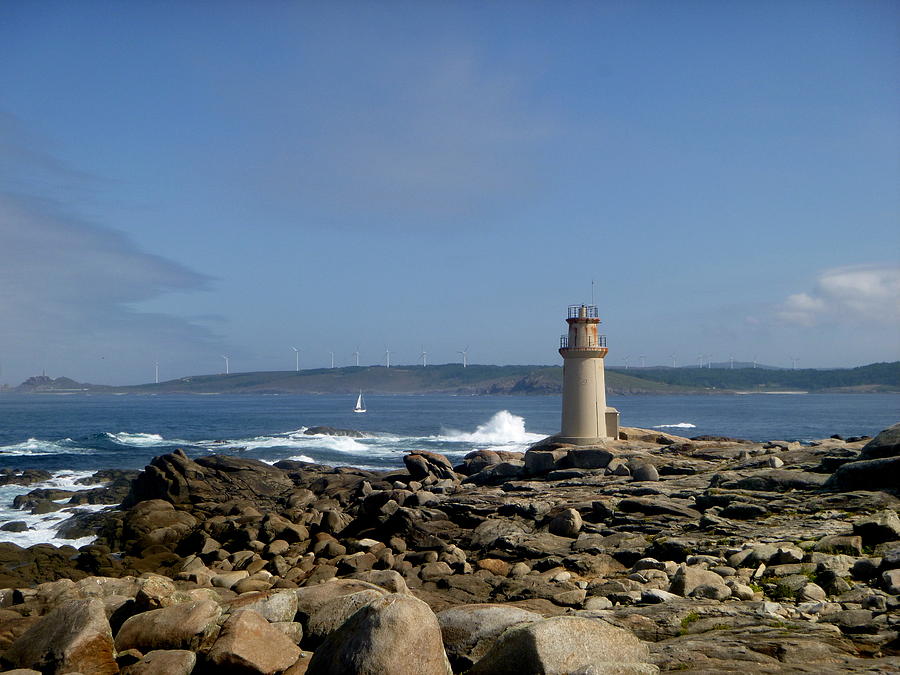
(182, 180)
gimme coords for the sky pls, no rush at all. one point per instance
(185, 180)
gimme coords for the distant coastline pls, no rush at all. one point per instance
(506, 380)
(771, 392)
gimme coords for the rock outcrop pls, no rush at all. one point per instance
(648, 552)
(395, 634)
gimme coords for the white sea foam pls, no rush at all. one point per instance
(291, 440)
(67, 446)
(36, 446)
(341, 443)
(680, 425)
(301, 458)
(503, 428)
(42, 528)
(66, 480)
(138, 439)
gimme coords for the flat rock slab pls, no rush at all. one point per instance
(808, 648)
(565, 645)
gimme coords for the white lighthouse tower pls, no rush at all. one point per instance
(585, 416)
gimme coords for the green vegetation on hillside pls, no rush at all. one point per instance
(450, 378)
(874, 377)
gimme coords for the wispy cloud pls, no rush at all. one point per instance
(862, 293)
(69, 288)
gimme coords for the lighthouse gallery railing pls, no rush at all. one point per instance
(591, 342)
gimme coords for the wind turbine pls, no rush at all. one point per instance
(626, 362)
(157, 372)
(794, 360)
(227, 371)
(699, 360)
(642, 360)
(754, 362)
(731, 359)
(356, 354)
(673, 360)
(297, 355)
(387, 357)
(424, 357)
(332, 359)
(465, 354)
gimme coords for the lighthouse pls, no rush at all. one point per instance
(585, 417)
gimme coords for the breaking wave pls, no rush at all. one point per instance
(138, 439)
(133, 449)
(502, 429)
(36, 446)
(680, 425)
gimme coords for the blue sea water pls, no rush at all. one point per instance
(72, 436)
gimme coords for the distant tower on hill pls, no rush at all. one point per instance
(585, 417)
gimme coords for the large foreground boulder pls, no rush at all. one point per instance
(565, 644)
(335, 612)
(188, 625)
(470, 630)
(872, 474)
(74, 637)
(396, 634)
(310, 599)
(885, 444)
(250, 644)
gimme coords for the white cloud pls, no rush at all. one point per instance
(68, 291)
(859, 293)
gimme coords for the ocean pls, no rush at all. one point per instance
(74, 435)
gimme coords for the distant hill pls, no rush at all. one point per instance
(43, 383)
(480, 379)
(876, 377)
(448, 379)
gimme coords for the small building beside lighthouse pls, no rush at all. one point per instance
(586, 419)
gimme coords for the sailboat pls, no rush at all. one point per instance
(360, 404)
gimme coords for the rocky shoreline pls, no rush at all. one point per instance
(645, 554)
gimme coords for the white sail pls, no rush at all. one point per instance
(360, 404)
